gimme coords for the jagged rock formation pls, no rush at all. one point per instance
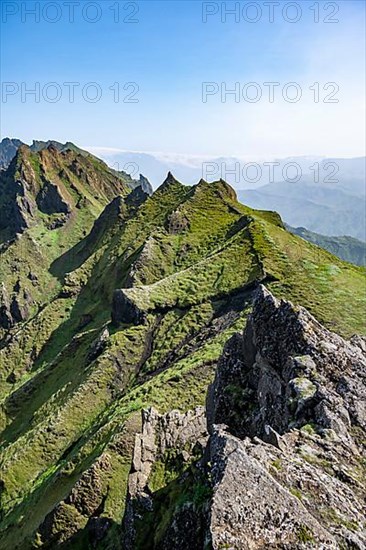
(80, 363)
(159, 434)
(167, 445)
(299, 375)
(8, 149)
(143, 183)
(301, 389)
(285, 457)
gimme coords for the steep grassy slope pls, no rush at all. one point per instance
(49, 200)
(175, 273)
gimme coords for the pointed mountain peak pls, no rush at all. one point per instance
(145, 185)
(230, 191)
(169, 181)
(170, 178)
(23, 153)
(219, 187)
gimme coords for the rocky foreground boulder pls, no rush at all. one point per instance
(284, 465)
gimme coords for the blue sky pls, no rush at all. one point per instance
(169, 53)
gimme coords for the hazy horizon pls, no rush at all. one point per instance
(189, 78)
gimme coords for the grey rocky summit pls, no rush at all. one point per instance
(289, 460)
(8, 149)
(284, 466)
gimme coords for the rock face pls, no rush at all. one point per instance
(51, 201)
(250, 508)
(124, 310)
(8, 149)
(284, 463)
(287, 465)
(167, 442)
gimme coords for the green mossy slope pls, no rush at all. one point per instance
(189, 258)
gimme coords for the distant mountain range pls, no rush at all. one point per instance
(322, 209)
(329, 198)
(238, 171)
(347, 248)
(335, 206)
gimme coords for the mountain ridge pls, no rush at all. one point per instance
(189, 259)
(334, 206)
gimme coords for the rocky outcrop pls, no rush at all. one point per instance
(99, 345)
(51, 201)
(173, 430)
(142, 183)
(288, 465)
(284, 463)
(19, 310)
(14, 308)
(287, 370)
(177, 223)
(166, 446)
(145, 185)
(250, 508)
(124, 310)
